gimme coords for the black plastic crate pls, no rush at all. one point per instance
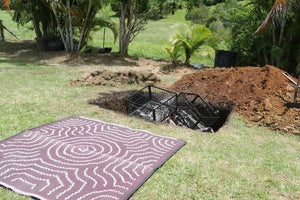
(151, 103)
(194, 112)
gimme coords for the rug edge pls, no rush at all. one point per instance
(89, 119)
(29, 129)
(168, 157)
(20, 192)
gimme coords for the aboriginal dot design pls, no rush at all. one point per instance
(80, 158)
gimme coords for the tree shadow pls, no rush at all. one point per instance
(112, 100)
(26, 51)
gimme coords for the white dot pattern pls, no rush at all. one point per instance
(80, 158)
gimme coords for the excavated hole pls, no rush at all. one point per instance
(115, 102)
(224, 111)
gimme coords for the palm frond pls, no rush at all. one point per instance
(6, 4)
(276, 11)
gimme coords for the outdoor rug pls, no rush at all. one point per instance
(84, 159)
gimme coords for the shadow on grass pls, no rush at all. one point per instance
(18, 62)
(112, 100)
(26, 52)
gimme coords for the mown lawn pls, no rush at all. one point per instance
(239, 162)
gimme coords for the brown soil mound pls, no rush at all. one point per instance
(257, 93)
(117, 77)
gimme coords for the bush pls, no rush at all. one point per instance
(198, 15)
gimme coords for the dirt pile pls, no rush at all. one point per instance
(257, 93)
(108, 77)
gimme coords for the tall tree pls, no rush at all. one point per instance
(68, 20)
(134, 15)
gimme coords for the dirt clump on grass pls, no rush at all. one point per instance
(259, 94)
(113, 77)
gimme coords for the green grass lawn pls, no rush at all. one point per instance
(239, 162)
(149, 43)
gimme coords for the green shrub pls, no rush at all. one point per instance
(199, 15)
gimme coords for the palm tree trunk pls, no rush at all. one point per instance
(187, 58)
(281, 32)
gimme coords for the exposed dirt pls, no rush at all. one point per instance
(112, 101)
(91, 62)
(113, 77)
(257, 93)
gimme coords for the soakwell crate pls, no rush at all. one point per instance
(194, 112)
(151, 103)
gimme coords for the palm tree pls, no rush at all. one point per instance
(279, 9)
(191, 39)
(174, 51)
(279, 12)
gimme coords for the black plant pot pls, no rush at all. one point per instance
(225, 58)
(55, 45)
(104, 50)
(108, 49)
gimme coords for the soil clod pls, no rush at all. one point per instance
(108, 77)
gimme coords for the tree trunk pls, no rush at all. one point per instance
(1, 31)
(274, 43)
(281, 32)
(83, 32)
(60, 29)
(187, 58)
(265, 56)
(123, 44)
(36, 26)
(70, 26)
